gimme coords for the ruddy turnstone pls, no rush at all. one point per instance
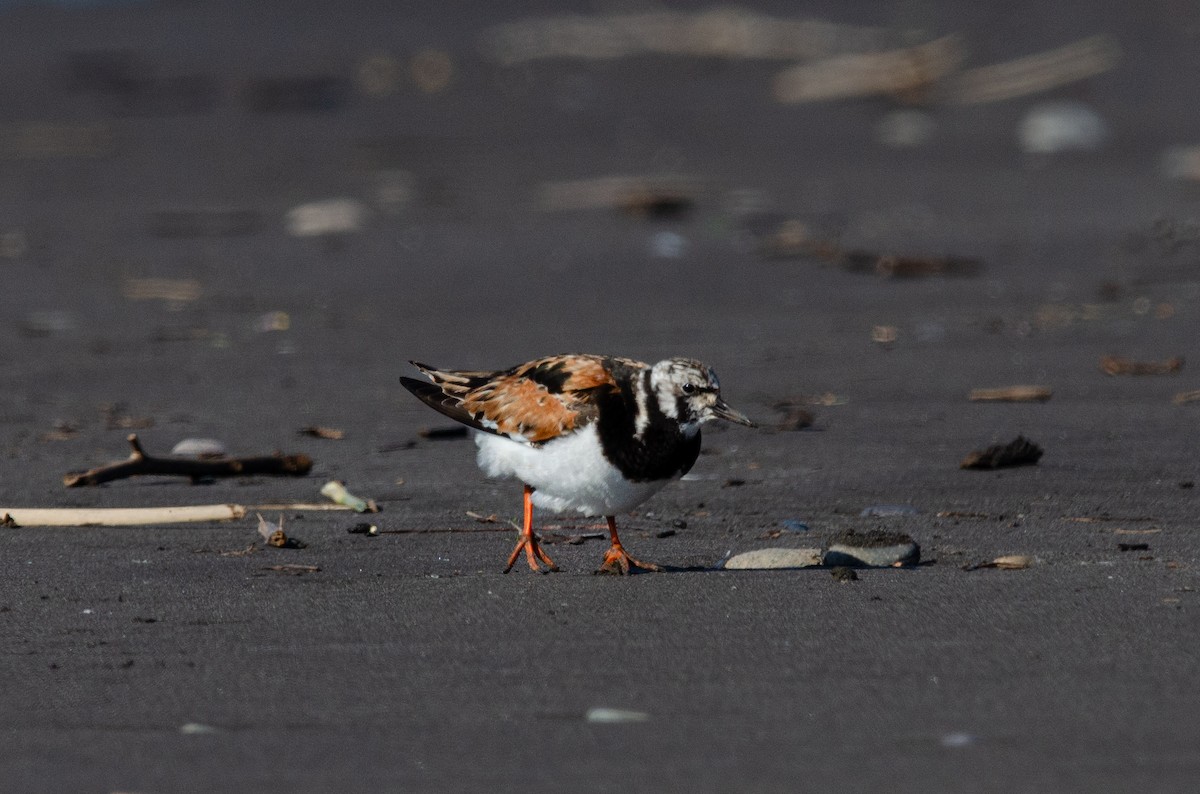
(593, 434)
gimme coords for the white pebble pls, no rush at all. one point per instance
(668, 245)
(1055, 127)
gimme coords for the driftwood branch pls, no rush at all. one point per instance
(139, 463)
(141, 516)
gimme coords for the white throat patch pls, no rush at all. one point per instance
(643, 409)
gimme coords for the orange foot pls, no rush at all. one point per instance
(528, 541)
(617, 561)
(533, 553)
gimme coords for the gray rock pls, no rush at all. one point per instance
(873, 549)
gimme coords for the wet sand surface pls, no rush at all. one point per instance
(162, 148)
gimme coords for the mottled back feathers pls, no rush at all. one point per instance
(533, 402)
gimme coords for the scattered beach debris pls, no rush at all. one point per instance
(63, 431)
(1011, 394)
(794, 239)
(328, 433)
(651, 197)
(140, 516)
(1008, 562)
(602, 714)
(843, 573)
(888, 511)
(172, 290)
(48, 322)
(329, 217)
(139, 464)
(766, 559)
(1035, 73)
(1061, 126)
(272, 321)
(1120, 365)
(885, 335)
(1185, 397)
(874, 548)
(293, 568)
(199, 448)
(335, 491)
(274, 535)
(197, 729)
(727, 32)
(907, 73)
(1018, 452)
(370, 530)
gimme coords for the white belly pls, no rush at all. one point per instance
(567, 474)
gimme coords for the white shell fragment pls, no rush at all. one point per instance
(196, 729)
(600, 714)
(765, 559)
(331, 216)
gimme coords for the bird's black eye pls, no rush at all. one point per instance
(689, 388)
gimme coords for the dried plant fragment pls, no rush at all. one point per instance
(906, 73)
(1011, 394)
(328, 433)
(1035, 73)
(1120, 365)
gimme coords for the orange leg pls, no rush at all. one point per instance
(616, 559)
(528, 542)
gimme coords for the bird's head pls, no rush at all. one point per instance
(689, 392)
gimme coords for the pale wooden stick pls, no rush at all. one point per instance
(142, 516)
(119, 516)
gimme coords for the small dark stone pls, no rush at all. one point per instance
(1133, 546)
(841, 573)
(666, 533)
(679, 523)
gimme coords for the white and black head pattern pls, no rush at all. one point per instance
(689, 392)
